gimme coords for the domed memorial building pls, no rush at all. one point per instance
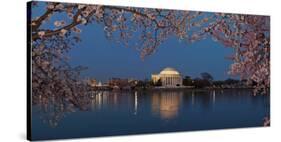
(169, 77)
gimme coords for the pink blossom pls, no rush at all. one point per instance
(59, 23)
(80, 6)
(41, 34)
(51, 6)
(77, 30)
(63, 32)
(59, 6)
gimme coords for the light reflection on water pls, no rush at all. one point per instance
(163, 104)
(166, 104)
(116, 113)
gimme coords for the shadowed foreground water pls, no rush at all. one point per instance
(119, 113)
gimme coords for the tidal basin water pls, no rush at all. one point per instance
(120, 113)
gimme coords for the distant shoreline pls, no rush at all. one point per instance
(173, 89)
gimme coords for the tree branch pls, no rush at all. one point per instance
(74, 23)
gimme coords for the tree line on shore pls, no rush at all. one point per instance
(205, 80)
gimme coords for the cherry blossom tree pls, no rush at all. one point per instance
(143, 29)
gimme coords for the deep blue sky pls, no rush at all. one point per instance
(106, 59)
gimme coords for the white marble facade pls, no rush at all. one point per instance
(169, 77)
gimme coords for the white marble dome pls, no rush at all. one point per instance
(169, 71)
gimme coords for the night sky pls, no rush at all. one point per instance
(106, 59)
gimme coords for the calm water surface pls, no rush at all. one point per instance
(118, 113)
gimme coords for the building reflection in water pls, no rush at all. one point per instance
(166, 104)
(214, 96)
(114, 100)
(136, 103)
(103, 99)
(192, 99)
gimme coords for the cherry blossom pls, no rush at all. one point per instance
(63, 32)
(41, 34)
(53, 78)
(59, 23)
